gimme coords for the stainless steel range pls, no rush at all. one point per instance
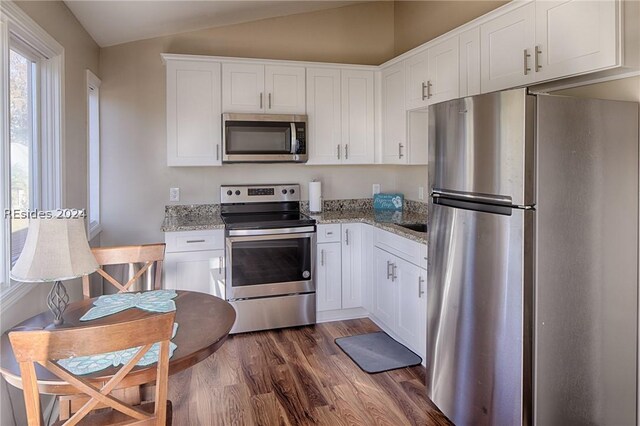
(270, 256)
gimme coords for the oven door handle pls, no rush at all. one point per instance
(276, 231)
(231, 240)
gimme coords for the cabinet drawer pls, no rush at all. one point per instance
(404, 248)
(329, 233)
(194, 240)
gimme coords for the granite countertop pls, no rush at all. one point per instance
(368, 216)
(195, 217)
(207, 216)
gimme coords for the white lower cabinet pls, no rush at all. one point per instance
(411, 314)
(385, 293)
(329, 277)
(400, 299)
(194, 261)
(352, 265)
(201, 271)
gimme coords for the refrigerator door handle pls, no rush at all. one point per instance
(498, 204)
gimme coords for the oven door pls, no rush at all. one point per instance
(270, 262)
(264, 138)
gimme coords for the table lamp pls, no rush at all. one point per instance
(56, 249)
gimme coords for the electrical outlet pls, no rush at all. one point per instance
(174, 194)
(376, 188)
(421, 193)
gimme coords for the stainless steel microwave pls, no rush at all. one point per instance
(264, 138)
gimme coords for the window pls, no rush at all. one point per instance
(23, 143)
(31, 132)
(93, 153)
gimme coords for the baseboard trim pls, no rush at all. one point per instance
(341, 315)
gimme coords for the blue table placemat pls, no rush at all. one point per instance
(90, 364)
(152, 301)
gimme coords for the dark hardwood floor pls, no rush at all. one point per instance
(298, 377)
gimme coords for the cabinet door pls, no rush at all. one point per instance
(201, 271)
(506, 50)
(193, 113)
(394, 119)
(357, 117)
(575, 36)
(443, 59)
(385, 294)
(324, 115)
(469, 43)
(284, 89)
(416, 81)
(351, 265)
(243, 88)
(411, 308)
(329, 277)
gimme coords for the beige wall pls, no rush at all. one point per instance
(81, 52)
(416, 22)
(134, 122)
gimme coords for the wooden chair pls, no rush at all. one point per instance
(148, 253)
(47, 346)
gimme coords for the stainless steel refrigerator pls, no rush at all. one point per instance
(533, 260)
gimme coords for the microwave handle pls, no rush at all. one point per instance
(294, 139)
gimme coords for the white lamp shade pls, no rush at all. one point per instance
(55, 250)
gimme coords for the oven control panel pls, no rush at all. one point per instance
(259, 193)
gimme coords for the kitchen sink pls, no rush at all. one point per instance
(419, 227)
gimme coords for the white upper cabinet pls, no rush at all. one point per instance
(324, 115)
(284, 89)
(442, 66)
(193, 113)
(507, 49)
(271, 89)
(469, 43)
(416, 81)
(394, 120)
(242, 87)
(575, 36)
(357, 117)
(341, 117)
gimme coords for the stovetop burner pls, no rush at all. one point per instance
(262, 207)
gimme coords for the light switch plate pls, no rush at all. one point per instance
(174, 194)
(421, 193)
(376, 189)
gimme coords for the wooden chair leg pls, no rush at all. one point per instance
(169, 420)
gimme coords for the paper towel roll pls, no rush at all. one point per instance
(315, 197)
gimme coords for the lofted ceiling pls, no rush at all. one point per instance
(112, 22)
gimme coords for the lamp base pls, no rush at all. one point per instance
(57, 302)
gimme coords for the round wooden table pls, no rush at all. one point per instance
(204, 322)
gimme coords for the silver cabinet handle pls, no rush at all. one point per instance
(400, 146)
(394, 277)
(525, 62)
(329, 232)
(389, 274)
(420, 291)
(338, 151)
(260, 100)
(346, 151)
(269, 100)
(220, 260)
(195, 241)
(346, 236)
(217, 152)
(321, 257)
(424, 86)
(537, 58)
(429, 89)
